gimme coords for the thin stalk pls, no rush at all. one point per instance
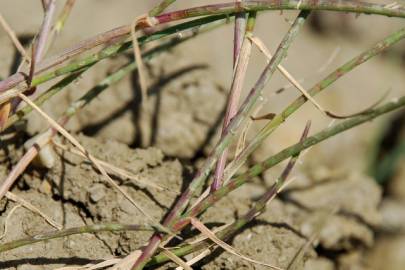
(45, 4)
(110, 227)
(272, 161)
(379, 47)
(354, 6)
(11, 34)
(64, 14)
(229, 136)
(226, 9)
(239, 74)
(239, 33)
(44, 32)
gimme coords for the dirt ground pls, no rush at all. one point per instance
(349, 221)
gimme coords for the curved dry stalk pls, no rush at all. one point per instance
(7, 218)
(109, 227)
(138, 55)
(11, 34)
(211, 236)
(176, 259)
(29, 206)
(144, 110)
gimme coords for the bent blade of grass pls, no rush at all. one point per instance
(262, 47)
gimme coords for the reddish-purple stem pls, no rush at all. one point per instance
(234, 96)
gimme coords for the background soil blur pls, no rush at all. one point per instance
(188, 94)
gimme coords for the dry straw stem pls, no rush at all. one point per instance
(379, 47)
(274, 160)
(7, 219)
(146, 129)
(43, 35)
(217, 9)
(110, 227)
(114, 169)
(11, 34)
(176, 259)
(229, 136)
(29, 206)
(239, 74)
(262, 47)
(211, 236)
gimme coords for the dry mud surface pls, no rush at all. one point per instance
(333, 213)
